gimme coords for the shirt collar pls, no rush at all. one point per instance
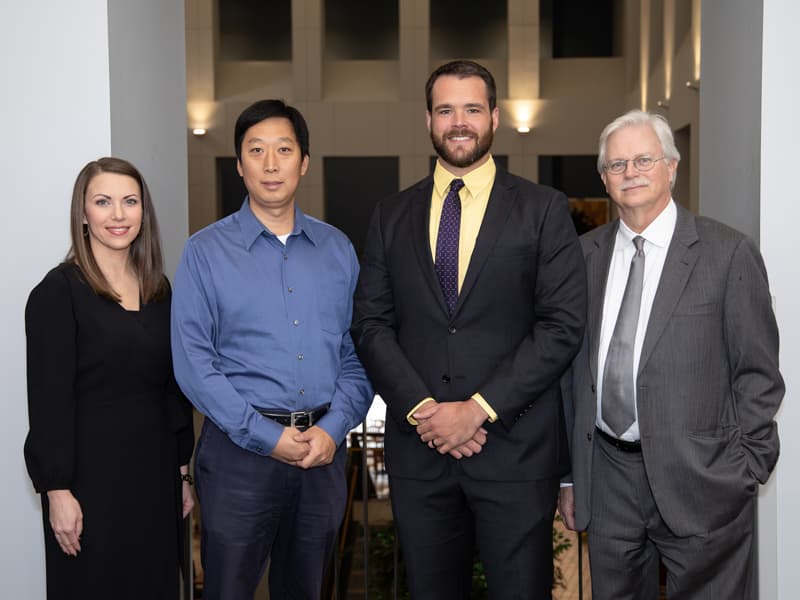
(475, 181)
(659, 232)
(252, 227)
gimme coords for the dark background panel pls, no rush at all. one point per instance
(468, 29)
(352, 187)
(362, 30)
(579, 28)
(576, 176)
(255, 30)
(230, 186)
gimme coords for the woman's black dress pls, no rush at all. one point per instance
(107, 422)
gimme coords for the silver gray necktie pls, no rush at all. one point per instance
(618, 377)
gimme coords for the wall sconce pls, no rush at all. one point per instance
(693, 84)
(198, 132)
(522, 113)
(663, 104)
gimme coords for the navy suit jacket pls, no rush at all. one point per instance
(517, 325)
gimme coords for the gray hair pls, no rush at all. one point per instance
(634, 118)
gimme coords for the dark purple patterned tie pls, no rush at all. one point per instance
(447, 244)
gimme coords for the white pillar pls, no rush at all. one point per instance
(730, 112)
(80, 80)
(779, 519)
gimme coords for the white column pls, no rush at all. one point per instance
(147, 50)
(80, 80)
(779, 519)
(748, 146)
(729, 112)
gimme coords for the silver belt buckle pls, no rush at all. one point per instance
(297, 415)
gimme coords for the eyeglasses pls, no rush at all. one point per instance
(640, 163)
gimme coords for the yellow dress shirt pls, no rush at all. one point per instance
(474, 198)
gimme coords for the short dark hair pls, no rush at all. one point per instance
(270, 109)
(462, 69)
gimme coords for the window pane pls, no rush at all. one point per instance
(361, 30)
(255, 30)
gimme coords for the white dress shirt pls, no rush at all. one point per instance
(657, 236)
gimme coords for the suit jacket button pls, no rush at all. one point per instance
(451, 329)
(589, 436)
(594, 389)
(445, 378)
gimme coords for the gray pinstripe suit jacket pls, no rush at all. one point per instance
(708, 384)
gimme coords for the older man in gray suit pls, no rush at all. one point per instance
(673, 394)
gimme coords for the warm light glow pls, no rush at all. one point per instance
(669, 46)
(696, 37)
(644, 51)
(523, 113)
(200, 115)
(198, 131)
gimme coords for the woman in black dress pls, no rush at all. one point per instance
(110, 433)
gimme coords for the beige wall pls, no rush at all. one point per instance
(376, 108)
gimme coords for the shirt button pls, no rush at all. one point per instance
(295, 322)
(291, 289)
(285, 257)
(258, 449)
(299, 357)
(302, 391)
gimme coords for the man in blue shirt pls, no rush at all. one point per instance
(260, 319)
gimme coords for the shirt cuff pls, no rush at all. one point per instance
(411, 419)
(485, 406)
(334, 424)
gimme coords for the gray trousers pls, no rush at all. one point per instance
(627, 537)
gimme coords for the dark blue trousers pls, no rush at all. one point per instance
(256, 509)
(440, 521)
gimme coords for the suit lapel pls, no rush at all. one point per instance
(420, 232)
(681, 258)
(501, 198)
(598, 262)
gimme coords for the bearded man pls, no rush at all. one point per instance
(469, 307)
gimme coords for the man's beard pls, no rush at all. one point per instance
(482, 145)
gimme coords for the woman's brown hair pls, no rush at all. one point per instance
(145, 251)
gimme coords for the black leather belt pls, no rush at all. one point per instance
(623, 445)
(301, 419)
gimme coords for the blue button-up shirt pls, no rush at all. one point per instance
(260, 324)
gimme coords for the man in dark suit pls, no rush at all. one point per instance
(469, 307)
(675, 388)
